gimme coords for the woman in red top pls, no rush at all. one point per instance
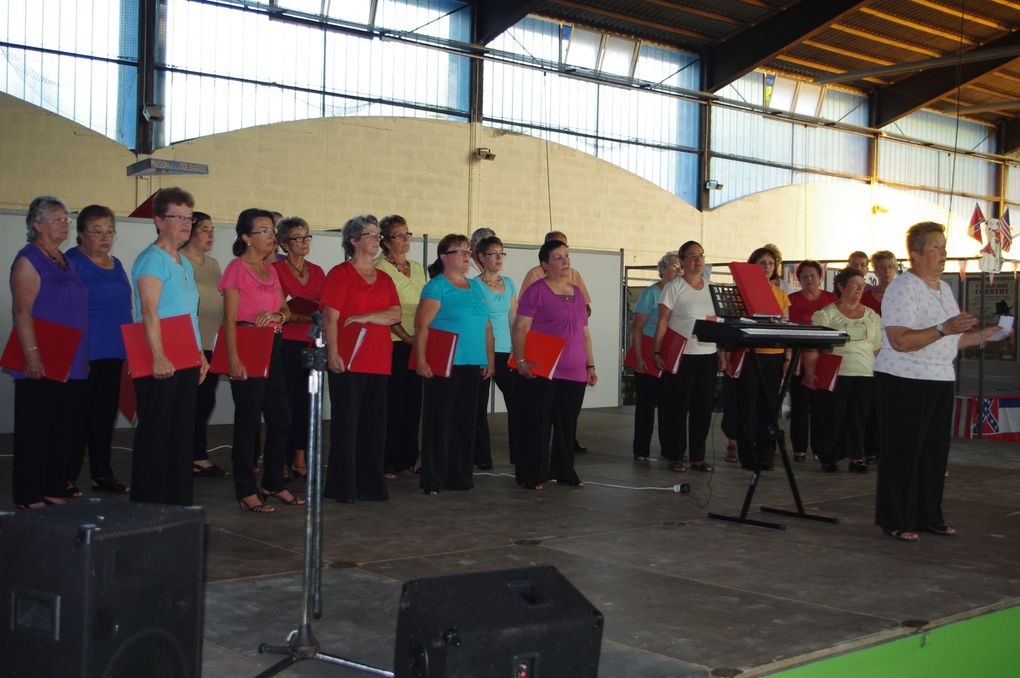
(360, 305)
(803, 304)
(302, 284)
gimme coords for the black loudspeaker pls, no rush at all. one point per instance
(105, 589)
(526, 623)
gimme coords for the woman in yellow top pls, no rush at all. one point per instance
(754, 412)
(404, 387)
(843, 413)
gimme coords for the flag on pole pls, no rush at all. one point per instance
(962, 263)
(976, 219)
(1005, 231)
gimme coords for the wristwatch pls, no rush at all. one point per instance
(941, 329)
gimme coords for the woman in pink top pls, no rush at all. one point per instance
(252, 296)
(803, 304)
(302, 283)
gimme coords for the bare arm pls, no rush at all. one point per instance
(904, 339)
(25, 284)
(661, 325)
(334, 363)
(593, 377)
(490, 351)
(635, 340)
(149, 290)
(231, 302)
(519, 337)
(427, 310)
(388, 317)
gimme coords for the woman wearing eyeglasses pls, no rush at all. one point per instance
(44, 286)
(403, 388)
(252, 296)
(842, 415)
(453, 303)
(109, 308)
(164, 285)
(302, 281)
(500, 296)
(688, 393)
(549, 407)
(356, 297)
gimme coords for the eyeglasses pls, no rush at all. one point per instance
(371, 234)
(676, 267)
(494, 254)
(461, 250)
(400, 236)
(300, 238)
(696, 257)
(262, 232)
(180, 218)
(64, 221)
(102, 234)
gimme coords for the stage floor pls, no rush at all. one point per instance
(682, 595)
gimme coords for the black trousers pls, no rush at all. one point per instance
(548, 410)
(914, 419)
(841, 419)
(94, 419)
(266, 397)
(403, 412)
(505, 383)
(357, 435)
(651, 397)
(757, 414)
(689, 396)
(804, 422)
(161, 460)
(295, 376)
(204, 405)
(448, 430)
(40, 446)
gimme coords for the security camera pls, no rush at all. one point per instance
(153, 113)
(485, 154)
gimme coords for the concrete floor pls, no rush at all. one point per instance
(682, 595)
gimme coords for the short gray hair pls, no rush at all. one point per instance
(483, 232)
(664, 261)
(38, 210)
(353, 229)
(917, 235)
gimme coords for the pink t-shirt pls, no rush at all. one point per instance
(256, 295)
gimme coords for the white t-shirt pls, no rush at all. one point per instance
(686, 305)
(910, 303)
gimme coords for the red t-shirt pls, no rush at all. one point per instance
(869, 300)
(347, 292)
(292, 287)
(802, 308)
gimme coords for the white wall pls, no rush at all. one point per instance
(601, 271)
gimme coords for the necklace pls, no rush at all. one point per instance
(494, 284)
(404, 267)
(299, 271)
(59, 260)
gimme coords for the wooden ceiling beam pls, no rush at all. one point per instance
(826, 68)
(886, 41)
(930, 30)
(848, 53)
(956, 13)
(714, 16)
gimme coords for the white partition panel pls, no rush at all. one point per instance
(601, 271)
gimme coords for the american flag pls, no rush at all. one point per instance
(1005, 231)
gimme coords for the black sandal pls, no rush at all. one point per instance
(294, 499)
(210, 471)
(110, 484)
(943, 530)
(260, 507)
(677, 467)
(702, 466)
(71, 491)
(902, 535)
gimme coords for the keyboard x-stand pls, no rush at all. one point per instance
(764, 334)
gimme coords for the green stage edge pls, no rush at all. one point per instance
(985, 646)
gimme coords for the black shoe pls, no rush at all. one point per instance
(857, 467)
(830, 468)
(871, 460)
(579, 448)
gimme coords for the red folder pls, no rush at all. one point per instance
(302, 305)
(179, 345)
(254, 348)
(543, 351)
(350, 339)
(737, 359)
(826, 372)
(439, 352)
(672, 350)
(57, 347)
(647, 346)
(756, 290)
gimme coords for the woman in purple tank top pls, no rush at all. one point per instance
(45, 286)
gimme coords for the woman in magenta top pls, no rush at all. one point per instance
(301, 280)
(357, 296)
(252, 296)
(552, 305)
(803, 304)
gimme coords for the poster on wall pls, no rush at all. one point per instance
(1000, 299)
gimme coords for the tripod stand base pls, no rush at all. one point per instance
(747, 521)
(304, 647)
(800, 514)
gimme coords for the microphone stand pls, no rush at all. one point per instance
(301, 643)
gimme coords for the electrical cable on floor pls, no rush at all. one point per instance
(679, 488)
